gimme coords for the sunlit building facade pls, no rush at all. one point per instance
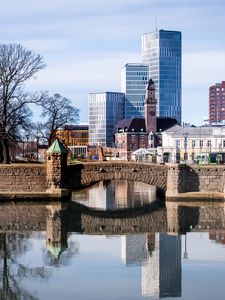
(75, 137)
(217, 103)
(161, 50)
(105, 109)
(134, 80)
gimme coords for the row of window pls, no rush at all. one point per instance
(194, 143)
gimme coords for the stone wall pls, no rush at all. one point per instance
(195, 178)
(22, 178)
(204, 178)
(155, 221)
(172, 179)
(22, 217)
(200, 217)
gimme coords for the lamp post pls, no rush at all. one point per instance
(27, 150)
(185, 247)
(151, 140)
(37, 139)
(193, 150)
(185, 135)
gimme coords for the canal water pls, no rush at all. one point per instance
(50, 251)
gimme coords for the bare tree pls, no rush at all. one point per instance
(57, 111)
(17, 66)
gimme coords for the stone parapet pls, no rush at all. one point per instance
(23, 178)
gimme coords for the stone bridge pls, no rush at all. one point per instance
(89, 173)
(171, 180)
(175, 181)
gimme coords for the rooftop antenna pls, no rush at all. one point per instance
(156, 24)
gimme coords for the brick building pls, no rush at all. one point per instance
(75, 137)
(136, 133)
(217, 103)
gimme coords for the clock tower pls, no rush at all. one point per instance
(150, 107)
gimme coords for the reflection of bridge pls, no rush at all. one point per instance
(72, 217)
(157, 252)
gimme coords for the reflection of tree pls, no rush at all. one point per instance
(12, 246)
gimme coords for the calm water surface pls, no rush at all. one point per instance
(46, 258)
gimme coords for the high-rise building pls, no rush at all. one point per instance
(161, 274)
(161, 50)
(134, 80)
(217, 103)
(105, 109)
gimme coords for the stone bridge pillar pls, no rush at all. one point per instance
(57, 169)
(175, 180)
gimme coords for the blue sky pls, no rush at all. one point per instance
(85, 43)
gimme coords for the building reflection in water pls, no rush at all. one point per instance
(116, 194)
(218, 237)
(133, 249)
(57, 235)
(159, 255)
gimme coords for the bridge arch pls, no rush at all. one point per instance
(89, 173)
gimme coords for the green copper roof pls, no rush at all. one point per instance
(57, 147)
(56, 251)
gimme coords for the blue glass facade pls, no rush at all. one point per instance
(161, 50)
(105, 109)
(134, 80)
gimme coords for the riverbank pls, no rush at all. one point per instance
(32, 196)
(197, 197)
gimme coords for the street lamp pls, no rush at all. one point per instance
(27, 138)
(185, 247)
(193, 150)
(151, 139)
(37, 139)
(185, 135)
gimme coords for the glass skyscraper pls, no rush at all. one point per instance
(134, 80)
(105, 109)
(161, 50)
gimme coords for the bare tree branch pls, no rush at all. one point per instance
(17, 66)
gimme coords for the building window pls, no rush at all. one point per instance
(201, 143)
(177, 143)
(209, 143)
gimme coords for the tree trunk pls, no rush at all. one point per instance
(5, 151)
(1, 152)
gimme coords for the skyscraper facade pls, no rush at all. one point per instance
(161, 50)
(105, 109)
(134, 80)
(217, 103)
(161, 273)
